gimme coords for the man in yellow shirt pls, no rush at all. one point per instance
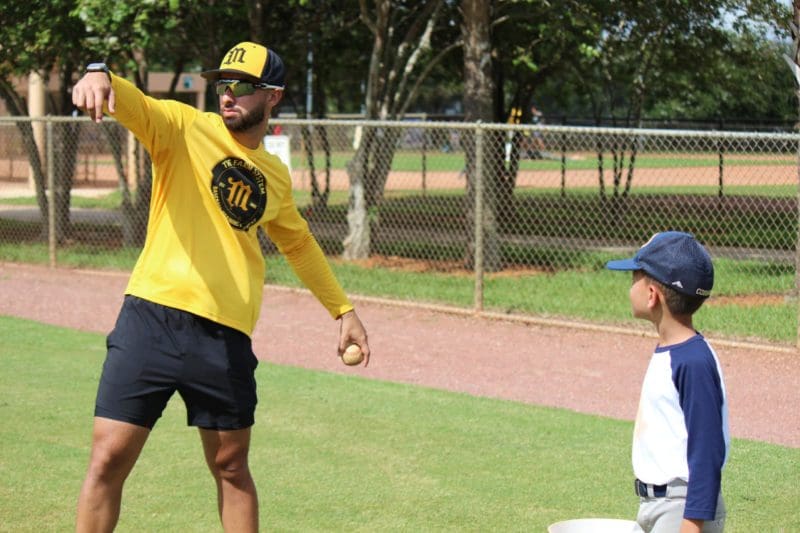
(195, 293)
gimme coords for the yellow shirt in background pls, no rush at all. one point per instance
(209, 196)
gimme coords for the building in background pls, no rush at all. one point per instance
(39, 94)
(190, 89)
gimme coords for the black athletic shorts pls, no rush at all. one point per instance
(154, 351)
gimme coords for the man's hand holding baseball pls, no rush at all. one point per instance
(91, 92)
(352, 331)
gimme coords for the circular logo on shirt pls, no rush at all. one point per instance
(240, 190)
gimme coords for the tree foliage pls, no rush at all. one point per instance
(625, 59)
(44, 39)
(175, 35)
(401, 57)
(687, 59)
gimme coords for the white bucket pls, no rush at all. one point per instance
(595, 525)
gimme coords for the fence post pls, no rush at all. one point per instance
(424, 161)
(51, 196)
(478, 303)
(563, 165)
(721, 155)
(797, 251)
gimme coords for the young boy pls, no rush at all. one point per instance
(681, 438)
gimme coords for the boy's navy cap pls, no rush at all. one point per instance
(252, 60)
(675, 259)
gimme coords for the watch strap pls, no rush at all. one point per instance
(99, 67)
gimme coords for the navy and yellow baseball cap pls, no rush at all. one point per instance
(675, 259)
(254, 61)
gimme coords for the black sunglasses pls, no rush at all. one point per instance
(239, 87)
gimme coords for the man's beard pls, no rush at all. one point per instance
(246, 120)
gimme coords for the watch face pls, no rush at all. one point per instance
(97, 67)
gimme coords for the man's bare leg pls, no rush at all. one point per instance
(226, 456)
(115, 448)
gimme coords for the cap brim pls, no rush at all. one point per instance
(623, 264)
(210, 74)
(213, 75)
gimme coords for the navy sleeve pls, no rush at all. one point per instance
(694, 372)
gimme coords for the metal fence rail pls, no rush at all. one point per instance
(484, 200)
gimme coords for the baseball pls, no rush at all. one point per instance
(352, 355)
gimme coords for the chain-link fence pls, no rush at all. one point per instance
(504, 217)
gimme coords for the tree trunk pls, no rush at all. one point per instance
(401, 33)
(65, 155)
(478, 106)
(39, 177)
(357, 242)
(368, 172)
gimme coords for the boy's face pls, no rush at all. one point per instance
(641, 295)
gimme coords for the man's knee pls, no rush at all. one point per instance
(231, 466)
(115, 448)
(226, 453)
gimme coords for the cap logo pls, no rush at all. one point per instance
(649, 241)
(677, 284)
(703, 292)
(235, 55)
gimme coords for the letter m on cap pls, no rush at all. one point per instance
(235, 55)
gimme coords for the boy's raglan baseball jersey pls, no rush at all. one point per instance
(209, 196)
(681, 429)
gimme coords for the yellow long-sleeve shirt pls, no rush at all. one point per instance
(209, 196)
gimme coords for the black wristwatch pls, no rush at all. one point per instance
(98, 67)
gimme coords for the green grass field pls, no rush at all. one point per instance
(432, 159)
(591, 293)
(558, 241)
(339, 453)
(435, 160)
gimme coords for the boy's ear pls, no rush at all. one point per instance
(654, 295)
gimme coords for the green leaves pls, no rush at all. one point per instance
(42, 34)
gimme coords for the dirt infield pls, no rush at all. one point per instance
(688, 176)
(770, 173)
(586, 370)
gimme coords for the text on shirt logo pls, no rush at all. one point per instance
(240, 190)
